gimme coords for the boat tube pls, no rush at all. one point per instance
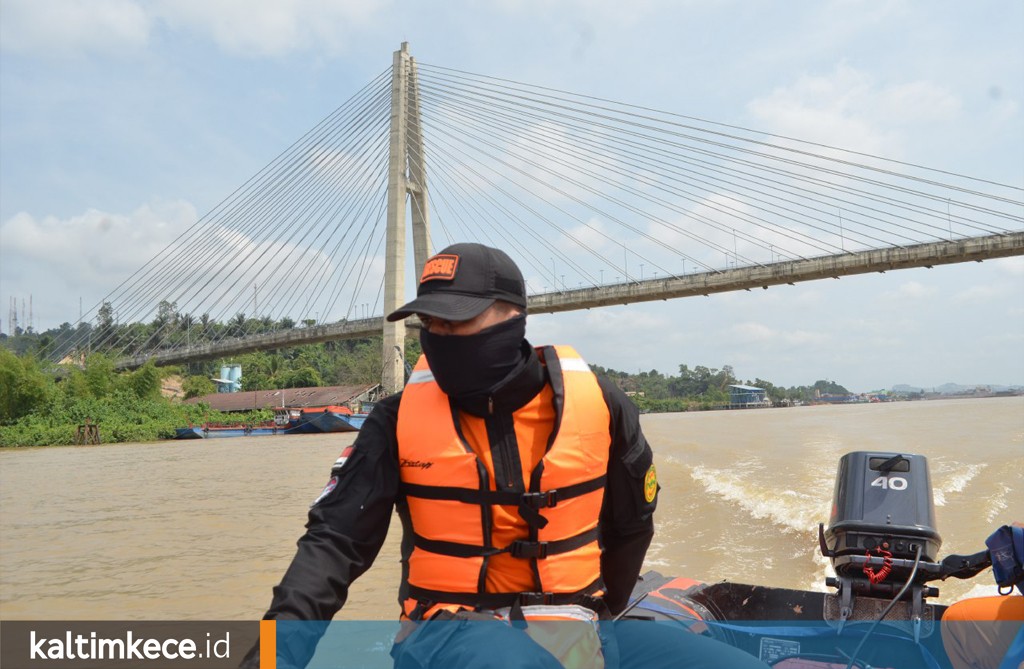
(882, 543)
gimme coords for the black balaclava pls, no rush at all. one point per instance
(465, 365)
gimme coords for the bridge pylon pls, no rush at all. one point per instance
(407, 184)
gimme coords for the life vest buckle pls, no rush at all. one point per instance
(536, 598)
(529, 549)
(540, 500)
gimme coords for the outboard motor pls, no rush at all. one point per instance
(882, 541)
(882, 505)
(881, 537)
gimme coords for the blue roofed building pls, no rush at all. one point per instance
(748, 397)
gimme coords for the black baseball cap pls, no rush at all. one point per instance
(462, 280)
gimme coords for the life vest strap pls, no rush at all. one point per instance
(496, 600)
(533, 500)
(518, 548)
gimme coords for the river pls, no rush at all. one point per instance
(202, 530)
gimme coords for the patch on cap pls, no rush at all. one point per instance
(441, 266)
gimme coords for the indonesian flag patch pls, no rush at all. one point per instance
(343, 458)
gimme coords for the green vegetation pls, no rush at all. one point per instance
(43, 403)
(350, 362)
(171, 328)
(705, 388)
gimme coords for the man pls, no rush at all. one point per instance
(988, 632)
(985, 633)
(524, 485)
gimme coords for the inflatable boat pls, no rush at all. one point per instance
(878, 611)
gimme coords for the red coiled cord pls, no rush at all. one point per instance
(886, 568)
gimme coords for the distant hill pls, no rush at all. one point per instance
(955, 389)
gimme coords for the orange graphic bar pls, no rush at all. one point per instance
(268, 644)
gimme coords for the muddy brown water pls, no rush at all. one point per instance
(204, 529)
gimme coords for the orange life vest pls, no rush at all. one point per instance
(474, 545)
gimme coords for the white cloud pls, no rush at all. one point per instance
(912, 102)
(622, 337)
(59, 260)
(985, 293)
(270, 27)
(594, 234)
(809, 297)
(1004, 111)
(1012, 266)
(67, 27)
(240, 27)
(911, 290)
(586, 11)
(848, 108)
(96, 254)
(753, 332)
(95, 244)
(717, 228)
(760, 334)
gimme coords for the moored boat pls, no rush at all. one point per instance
(222, 431)
(312, 420)
(306, 420)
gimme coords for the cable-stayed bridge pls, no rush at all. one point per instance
(599, 202)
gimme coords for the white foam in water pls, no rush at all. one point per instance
(987, 590)
(996, 504)
(957, 481)
(654, 558)
(816, 578)
(786, 508)
(965, 474)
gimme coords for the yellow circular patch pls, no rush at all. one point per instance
(650, 484)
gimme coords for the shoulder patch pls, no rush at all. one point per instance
(331, 485)
(650, 484)
(343, 458)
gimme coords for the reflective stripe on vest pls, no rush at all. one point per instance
(420, 376)
(451, 494)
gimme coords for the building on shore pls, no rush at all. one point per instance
(748, 397)
(354, 397)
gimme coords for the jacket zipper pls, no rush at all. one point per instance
(508, 476)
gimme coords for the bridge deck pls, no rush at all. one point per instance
(703, 283)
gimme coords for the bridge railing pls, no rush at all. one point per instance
(702, 283)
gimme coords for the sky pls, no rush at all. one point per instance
(122, 121)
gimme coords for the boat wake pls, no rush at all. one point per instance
(793, 511)
(955, 481)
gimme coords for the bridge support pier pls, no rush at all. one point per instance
(407, 175)
(393, 374)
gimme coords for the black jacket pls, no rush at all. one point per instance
(347, 527)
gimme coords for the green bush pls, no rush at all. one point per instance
(24, 387)
(122, 415)
(197, 386)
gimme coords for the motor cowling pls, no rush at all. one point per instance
(881, 501)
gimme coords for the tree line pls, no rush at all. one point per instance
(706, 388)
(170, 328)
(41, 401)
(344, 362)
